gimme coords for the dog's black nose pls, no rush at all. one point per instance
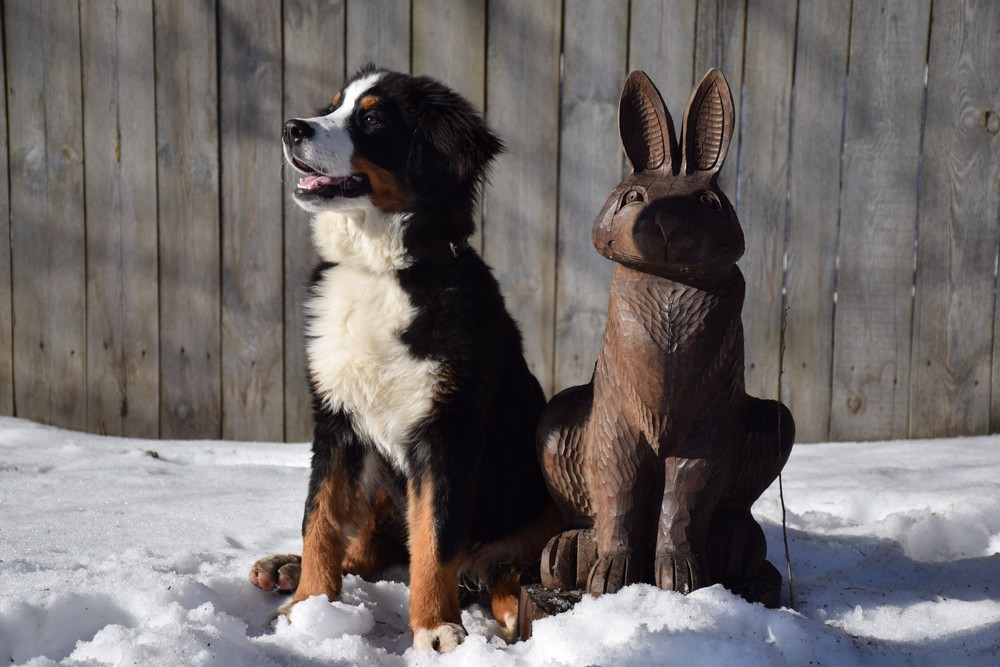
(296, 130)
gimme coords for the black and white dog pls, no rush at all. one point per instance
(424, 405)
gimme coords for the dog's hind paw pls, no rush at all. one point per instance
(444, 638)
(279, 573)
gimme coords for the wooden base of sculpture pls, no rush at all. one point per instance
(538, 601)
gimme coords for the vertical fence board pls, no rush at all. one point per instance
(311, 77)
(520, 215)
(719, 43)
(120, 169)
(763, 178)
(959, 195)
(449, 44)
(878, 202)
(590, 164)
(6, 288)
(188, 191)
(814, 216)
(252, 307)
(46, 210)
(661, 43)
(378, 31)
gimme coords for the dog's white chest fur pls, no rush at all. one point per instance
(358, 362)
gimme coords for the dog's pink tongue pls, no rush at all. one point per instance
(314, 181)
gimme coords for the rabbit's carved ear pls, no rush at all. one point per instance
(646, 128)
(709, 120)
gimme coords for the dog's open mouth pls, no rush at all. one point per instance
(321, 186)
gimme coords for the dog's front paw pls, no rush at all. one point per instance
(612, 572)
(442, 639)
(678, 572)
(284, 610)
(279, 573)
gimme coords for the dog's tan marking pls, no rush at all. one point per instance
(336, 98)
(388, 194)
(433, 584)
(323, 541)
(380, 538)
(504, 595)
(368, 102)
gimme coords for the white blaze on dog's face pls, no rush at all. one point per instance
(351, 156)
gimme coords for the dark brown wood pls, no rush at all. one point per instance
(665, 435)
(538, 602)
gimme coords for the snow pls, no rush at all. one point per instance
(117, 551)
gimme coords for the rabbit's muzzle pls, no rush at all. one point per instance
(670, 235)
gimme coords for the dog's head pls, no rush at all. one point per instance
(390, 142)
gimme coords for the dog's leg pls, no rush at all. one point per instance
(505, 592)
(435, 615)
(380, 540)
(331, 496)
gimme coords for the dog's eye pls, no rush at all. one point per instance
(371, 121)
(711, 200)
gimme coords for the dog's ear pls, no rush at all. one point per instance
(451, 146)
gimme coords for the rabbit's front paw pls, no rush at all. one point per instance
(612, 572)
(678, 572)
(567, 559)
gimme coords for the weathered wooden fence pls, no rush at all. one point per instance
(152, 282)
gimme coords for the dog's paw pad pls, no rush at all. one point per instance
(445, 637)
(279, 573)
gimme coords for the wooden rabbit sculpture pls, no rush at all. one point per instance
(656, 462)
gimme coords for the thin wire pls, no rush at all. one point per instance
(781, 487)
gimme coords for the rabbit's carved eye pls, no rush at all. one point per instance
(711, 200)
(633, 197)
